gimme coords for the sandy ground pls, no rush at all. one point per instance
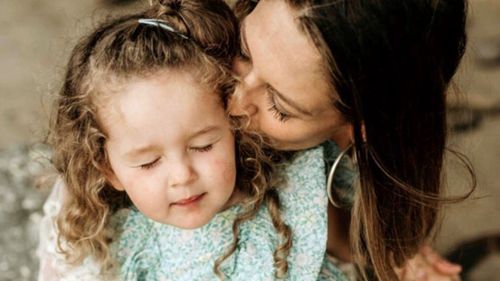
(37, 35)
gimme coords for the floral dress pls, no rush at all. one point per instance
(147, 250)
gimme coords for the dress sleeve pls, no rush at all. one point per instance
(53, 265)
(334, 270)
(304, 207)
(305, 203)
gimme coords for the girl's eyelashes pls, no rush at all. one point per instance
(150, 165)
(155, 162)
(203, 148)
(278, 114)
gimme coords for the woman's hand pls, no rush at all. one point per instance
(428, 265)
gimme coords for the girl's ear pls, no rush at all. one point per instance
(112, 179)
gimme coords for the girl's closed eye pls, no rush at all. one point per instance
(157, 161)
(205, 148)
(150, 165)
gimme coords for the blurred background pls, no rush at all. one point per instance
(36, 37)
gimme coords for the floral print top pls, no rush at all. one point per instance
(147, 250)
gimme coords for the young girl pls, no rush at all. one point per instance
(152, 185)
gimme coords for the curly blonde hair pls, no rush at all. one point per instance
(114, 52)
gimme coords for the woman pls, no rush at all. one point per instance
(371, 76)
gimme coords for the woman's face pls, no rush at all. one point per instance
(284, 88)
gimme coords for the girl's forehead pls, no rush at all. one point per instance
(170, 99)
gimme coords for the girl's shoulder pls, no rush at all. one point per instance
(303, 203)
(303, 174)
(304, 208)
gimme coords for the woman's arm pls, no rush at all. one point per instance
(427, 265)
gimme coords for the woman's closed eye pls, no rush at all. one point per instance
(277, 113)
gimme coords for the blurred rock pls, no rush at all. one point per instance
(487, 270)
(467, 114)
(20, 210)
(488, 52)
(118, 2)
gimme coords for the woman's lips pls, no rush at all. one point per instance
(188, 201)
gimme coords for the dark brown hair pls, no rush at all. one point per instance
(390, 63)
(205, 42)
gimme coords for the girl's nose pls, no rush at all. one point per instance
(180, 174)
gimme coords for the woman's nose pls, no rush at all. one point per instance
(241, 103)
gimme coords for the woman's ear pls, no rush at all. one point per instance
(363, 131)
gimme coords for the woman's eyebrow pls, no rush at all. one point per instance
(244, 44)
(289, 102)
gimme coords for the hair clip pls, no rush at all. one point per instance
(162, 24)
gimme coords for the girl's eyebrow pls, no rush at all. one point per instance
(140, 150)
(208, 129)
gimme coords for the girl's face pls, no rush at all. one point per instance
(171, 148)
(283, 86)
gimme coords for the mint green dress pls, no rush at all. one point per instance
(147, 250)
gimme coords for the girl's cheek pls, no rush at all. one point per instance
(226, 168)
(226, 162)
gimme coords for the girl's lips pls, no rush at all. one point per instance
(188, 201)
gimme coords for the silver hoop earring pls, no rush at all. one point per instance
(329, 183)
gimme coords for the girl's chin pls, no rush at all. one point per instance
(189, 222)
